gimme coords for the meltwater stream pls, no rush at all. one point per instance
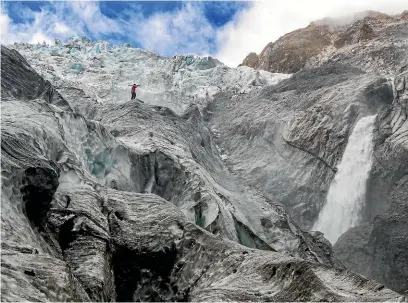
(347, 191)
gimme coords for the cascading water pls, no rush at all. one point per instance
(347, 191)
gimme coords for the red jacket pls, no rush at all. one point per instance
(134, 87)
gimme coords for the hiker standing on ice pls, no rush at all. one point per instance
(133, 90)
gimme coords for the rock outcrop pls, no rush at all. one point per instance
(297, 131)
(132, 202)
(286, 140)
(321, 40)
(252, 60)
(291, 52)
(377, 249)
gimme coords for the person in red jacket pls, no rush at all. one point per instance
(133, 90)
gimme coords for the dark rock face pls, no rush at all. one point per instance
(38, 188)
(291, 52)
(24, 83)
(298, 130)
(150, 214)
(379, 94)
(358, 32)
(377, 249)
(252, 60)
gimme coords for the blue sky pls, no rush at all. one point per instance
(165, 27)
(227, 30)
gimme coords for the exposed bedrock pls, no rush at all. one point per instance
(370, 40)
(377, 249)
(287, 139)
(295, 134)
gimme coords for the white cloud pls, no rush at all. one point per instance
(185, 30)
(4, 25)
(57, 20)
(21, 32)
(40, 37)
(90, 14)
(61, 28)
(265, 21)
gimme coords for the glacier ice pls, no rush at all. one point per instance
(138, 203)
(104, 73)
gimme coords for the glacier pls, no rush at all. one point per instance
(105, 73)
(107, 199)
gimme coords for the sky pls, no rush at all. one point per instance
(227, 30)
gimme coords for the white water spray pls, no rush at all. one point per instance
(347, 191)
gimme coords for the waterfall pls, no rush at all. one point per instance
(346, 195)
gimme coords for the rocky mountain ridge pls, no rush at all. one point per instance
(323, 39)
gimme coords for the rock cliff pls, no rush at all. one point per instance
(299, 128)
(321, 40)
(378, 248)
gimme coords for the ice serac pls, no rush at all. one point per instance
(104, 73)
(347, 193)
(132, 202)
